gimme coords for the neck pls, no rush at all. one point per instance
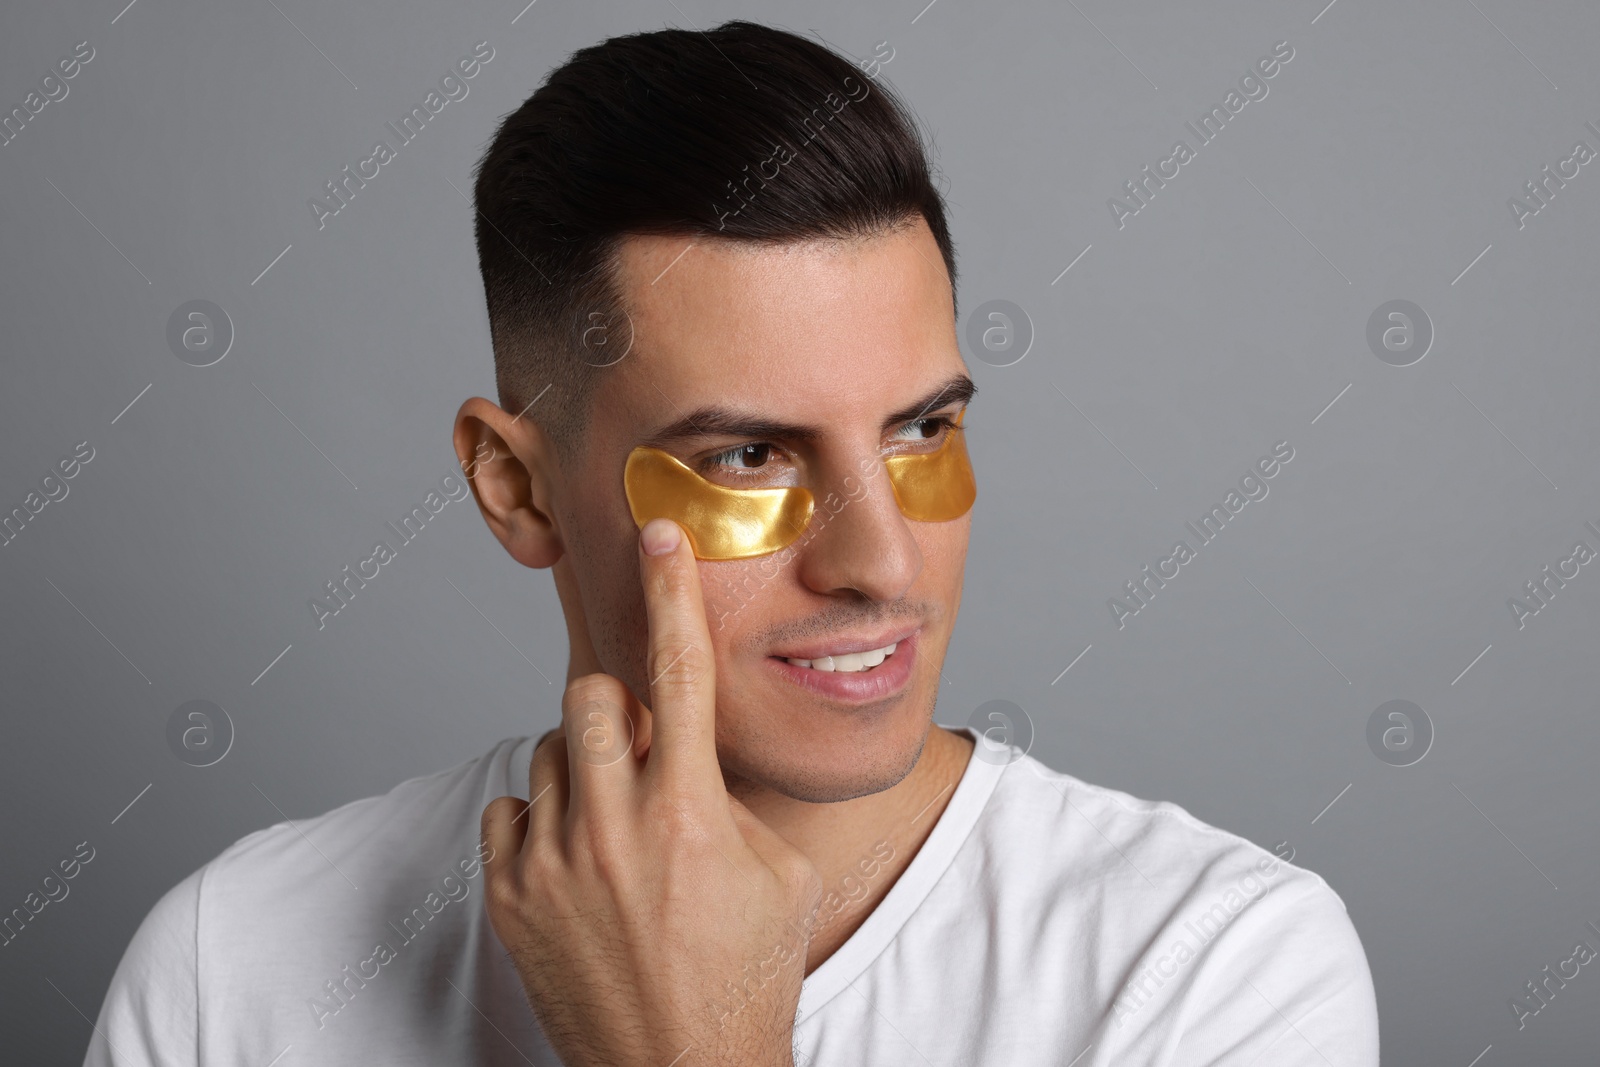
(862, 846)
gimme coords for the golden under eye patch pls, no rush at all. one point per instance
(934, 486)
(724, 523)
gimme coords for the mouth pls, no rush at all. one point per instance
(852, 671)
(849, 662)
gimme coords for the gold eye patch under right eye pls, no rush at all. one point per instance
(721, 523)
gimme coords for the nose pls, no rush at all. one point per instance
(860, 543)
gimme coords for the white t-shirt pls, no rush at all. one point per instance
(1044, 921)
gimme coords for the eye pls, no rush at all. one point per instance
(744, 457)
(928, 428)
(750, 465)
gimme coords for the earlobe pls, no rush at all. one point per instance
(509, 463)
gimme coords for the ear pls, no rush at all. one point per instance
(511, 465)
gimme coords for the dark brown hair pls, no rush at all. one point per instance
(741, 132)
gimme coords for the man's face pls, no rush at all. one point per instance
(847, 353)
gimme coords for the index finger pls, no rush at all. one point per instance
(680, 662)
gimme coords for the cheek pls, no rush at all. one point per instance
(944, 555)
(734, 591)
(602, 558)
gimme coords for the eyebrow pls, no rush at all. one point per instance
(717, 421)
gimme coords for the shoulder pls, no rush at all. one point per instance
(1101, 834)
(297, 889)
(1218, 944)
(149, 1012)
(301, 879)
(307, 873)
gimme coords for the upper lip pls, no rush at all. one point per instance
(843, 645)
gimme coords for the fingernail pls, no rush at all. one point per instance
(660, 536)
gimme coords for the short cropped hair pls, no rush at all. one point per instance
(741, 132)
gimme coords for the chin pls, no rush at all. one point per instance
(824, 756)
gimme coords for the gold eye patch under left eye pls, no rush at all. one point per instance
(724, 523)
(934, 486)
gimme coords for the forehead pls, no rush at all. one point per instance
(819, 332)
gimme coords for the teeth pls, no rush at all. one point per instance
(849, 662)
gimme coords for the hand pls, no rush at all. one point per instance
(652, 918)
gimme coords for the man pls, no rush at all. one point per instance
(732, 422)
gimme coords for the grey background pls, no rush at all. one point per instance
(1223, 318)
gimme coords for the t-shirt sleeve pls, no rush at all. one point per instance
(149, 1015)
(1287, 984)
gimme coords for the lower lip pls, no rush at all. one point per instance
(855, 687)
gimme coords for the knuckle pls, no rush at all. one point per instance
(597, 719)
(605, 849)
(592, 689)
(504, 895)
(673, 821)
(500, 812)
(801, 878)
(673, 581)
(605, 734)
(548, 757)
(679, 661)
(493, 813)
(544, 864)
